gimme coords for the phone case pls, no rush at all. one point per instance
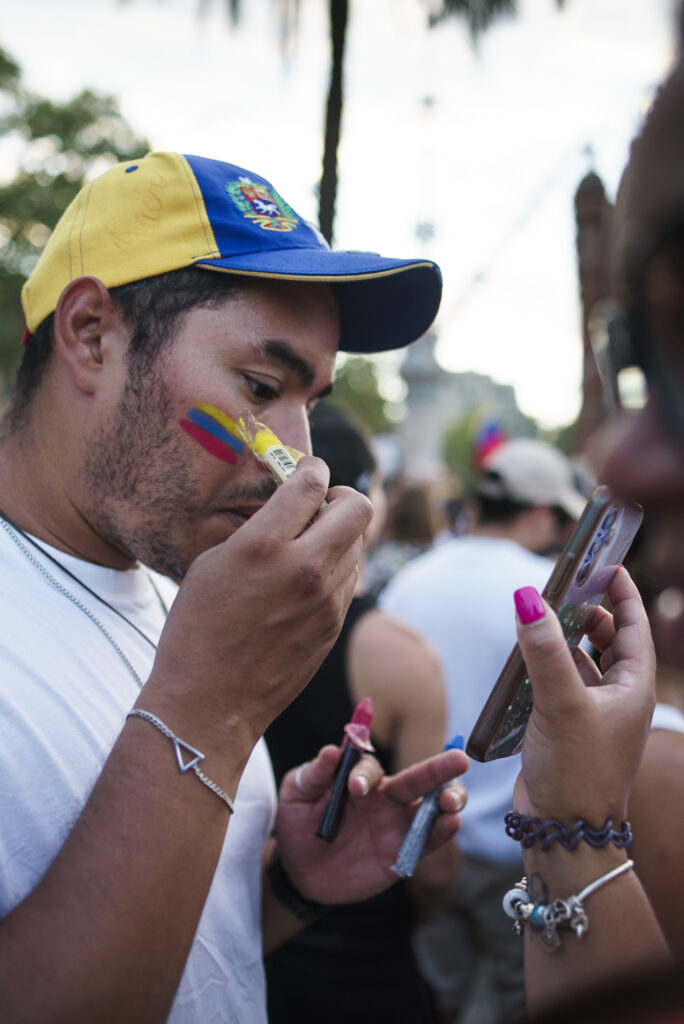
(577, 584)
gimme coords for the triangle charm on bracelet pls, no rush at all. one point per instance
(179, 746)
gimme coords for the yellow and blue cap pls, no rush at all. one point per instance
(168, 211)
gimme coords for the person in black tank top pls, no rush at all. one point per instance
(357, 962)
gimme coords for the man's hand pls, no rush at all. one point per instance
(357, 864)
(256, 615)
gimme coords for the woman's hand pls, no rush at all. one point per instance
(587, 730)
(376, 818)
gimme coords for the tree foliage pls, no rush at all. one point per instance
(356, 391)
(59, 145)
(479, 15)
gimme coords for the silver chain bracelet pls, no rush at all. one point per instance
(179, 745)
(548, 918)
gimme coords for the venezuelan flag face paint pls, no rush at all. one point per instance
(215, 431)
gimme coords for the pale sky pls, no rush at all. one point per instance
(492, 162)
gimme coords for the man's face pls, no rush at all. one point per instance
(152, 491)
(647, 464)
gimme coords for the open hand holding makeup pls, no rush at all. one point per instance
(378, 813)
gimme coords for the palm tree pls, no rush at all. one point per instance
(479, 15)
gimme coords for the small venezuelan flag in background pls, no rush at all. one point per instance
(489, 436)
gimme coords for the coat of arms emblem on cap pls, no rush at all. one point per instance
(262, 205)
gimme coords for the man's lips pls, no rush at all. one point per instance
(243, 511)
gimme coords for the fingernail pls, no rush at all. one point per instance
(528, 605)
(458, 798)
(363, 782)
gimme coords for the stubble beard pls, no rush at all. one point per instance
(143, 484)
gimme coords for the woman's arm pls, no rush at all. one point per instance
(655, 811)
(582, 749)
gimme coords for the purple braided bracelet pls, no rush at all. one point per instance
(527, 830)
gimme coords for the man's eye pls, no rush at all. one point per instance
(261, 392)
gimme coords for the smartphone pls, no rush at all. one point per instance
(577, 584)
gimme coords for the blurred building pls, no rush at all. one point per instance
(437, 398)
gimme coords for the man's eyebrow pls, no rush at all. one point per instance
(282, 353)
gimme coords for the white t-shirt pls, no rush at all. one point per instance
(460, 597)
(64, 696)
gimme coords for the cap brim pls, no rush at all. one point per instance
(384, 303)
(573, 503)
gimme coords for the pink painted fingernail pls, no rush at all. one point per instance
(528, 605)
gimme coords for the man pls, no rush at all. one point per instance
(459, 597)
(169, 282)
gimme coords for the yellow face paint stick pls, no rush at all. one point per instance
(280, 460)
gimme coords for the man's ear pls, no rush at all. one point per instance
(86, 326)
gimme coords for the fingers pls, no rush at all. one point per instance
(313, 778)
(631, 656)
(453, 798)
(345, 518)
(628, 608)
(414, 782)
(365, 775)
(557, 675)
(586, 667)
(289, 511)
(294, 503)
(601, 629)
(549, 661)
(444, 829)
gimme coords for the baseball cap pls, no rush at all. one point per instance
(168, 210)
(532, 473)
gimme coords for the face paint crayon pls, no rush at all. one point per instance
(414, 842)
(356, 740)
(280, 460)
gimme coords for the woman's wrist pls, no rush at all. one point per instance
(557, 872)
(548, 832)
(594, 809)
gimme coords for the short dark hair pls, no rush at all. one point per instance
(504, 512)
(151, 308)
(499, 511)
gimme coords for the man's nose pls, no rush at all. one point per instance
(291, 425)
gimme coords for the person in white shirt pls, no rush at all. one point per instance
(459, 596)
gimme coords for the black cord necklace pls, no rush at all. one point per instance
(15, 532)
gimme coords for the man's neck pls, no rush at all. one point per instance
(35, 497)
(498, 531)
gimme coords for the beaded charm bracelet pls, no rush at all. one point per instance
(548, 918)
